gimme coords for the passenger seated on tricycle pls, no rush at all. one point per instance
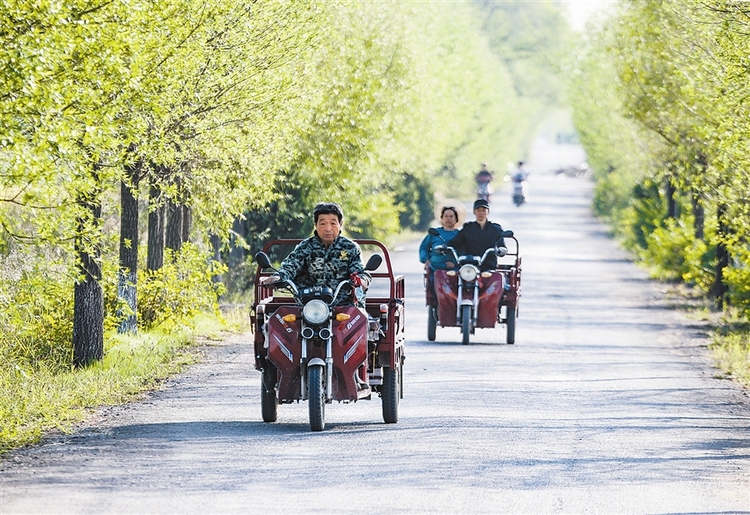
(449, 218)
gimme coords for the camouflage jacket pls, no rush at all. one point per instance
(312, 264)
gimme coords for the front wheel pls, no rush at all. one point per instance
(431, 323)
(268, 402)
(316, 400)
(510, 325)
(465, 324)
(391, 394)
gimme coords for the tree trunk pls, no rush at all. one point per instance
(88, 308)
(671, 201)
(174, 226)
(155, 259)
(698, 217)
(187, 220)
(216, 246)
(719, 288)
(128, 273)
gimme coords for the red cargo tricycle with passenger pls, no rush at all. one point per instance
(470, 298)
(309, 348)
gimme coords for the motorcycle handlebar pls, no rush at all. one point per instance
(498, 251)
(285, 283)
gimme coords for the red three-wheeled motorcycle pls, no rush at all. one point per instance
(309, 348)
(470, 298)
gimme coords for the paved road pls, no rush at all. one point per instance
(606, 404)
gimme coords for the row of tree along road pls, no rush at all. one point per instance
(660, 102)
(145, 146)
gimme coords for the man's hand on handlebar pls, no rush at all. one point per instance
(270, 279)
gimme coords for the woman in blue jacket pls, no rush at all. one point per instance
(448, 221)
(432, 260)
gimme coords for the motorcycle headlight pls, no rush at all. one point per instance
(315, 312)
(468, 273)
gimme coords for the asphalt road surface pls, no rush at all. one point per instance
(607, 403)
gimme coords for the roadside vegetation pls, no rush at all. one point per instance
(147, 149)
(659, 91)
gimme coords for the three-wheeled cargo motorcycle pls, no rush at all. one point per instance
(309, 348)
(470, 298)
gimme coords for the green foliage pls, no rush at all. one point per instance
(737, 278)
(699, 263)
(642, 216)
(654, 92)
(395, 111)
(532, 40)
(254, 108)
(657, 91)
(184, 287)
(415, 195)
(667, 248)
(36, 323)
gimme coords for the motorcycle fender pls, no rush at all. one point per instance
(316, 361)
(446, 288)
(349, 353)
(467, 302)
(285, 351)
(490, 292)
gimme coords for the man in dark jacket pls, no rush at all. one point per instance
(478, 236)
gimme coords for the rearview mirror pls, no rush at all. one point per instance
(507, 234)
(374, 262)
(262, 259)
(433, 232)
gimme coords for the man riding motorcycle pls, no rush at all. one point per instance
(518, 177)
(326, 258)
(319, 343)
(484, 178)
(480, 235)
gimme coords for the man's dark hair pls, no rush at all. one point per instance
(327, 208)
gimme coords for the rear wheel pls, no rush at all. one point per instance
(268, 403)
(391, 393)
(465, 324)
(510, 325)
(431, 323)
(316, 399)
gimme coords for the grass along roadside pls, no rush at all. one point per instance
(731, 349)
(729, 332)
(36, 401)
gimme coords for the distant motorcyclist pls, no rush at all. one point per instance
(518, 177)
(480, 235)
(520, 174)
(326, 258)
(483, 178)
(484, 175)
